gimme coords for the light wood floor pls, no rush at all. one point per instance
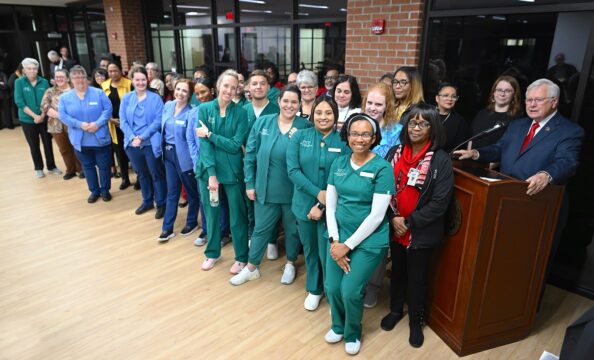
(80, 281)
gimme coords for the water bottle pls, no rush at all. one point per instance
(214, 198)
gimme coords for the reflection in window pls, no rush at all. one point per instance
(196, 45)
(256, 10)
(83, 51)
(226, 45)
(159, 13)
(164, 49)
(193, 12)
(100, 47)
(225, 11)
(311, 47)
(313, 9)
(266, 44)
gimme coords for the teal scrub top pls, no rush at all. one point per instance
(309, 157)
(269, 109)
(280, 187)
(220, 154)
(263, 136)
(273, 94)
(355, 189)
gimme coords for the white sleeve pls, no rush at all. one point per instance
(331, 201)
(379, 205)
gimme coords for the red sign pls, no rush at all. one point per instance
(378, 26)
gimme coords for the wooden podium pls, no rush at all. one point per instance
(488, 274)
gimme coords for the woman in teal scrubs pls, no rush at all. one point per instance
(269, 186)
(222, 130)
(310, 154)
(359, 189)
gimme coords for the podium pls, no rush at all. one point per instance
(490, 270)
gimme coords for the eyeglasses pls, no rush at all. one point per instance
(538, 101)
(78, 77)
(363, 135)
(421, 124)
(330, 77)
(448, 96)
(402, 82)
(504, 91)
(305, 87)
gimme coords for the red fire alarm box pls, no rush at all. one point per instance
(378, 26)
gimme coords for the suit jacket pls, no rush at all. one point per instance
(554, 149)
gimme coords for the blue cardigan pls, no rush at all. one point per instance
(152, 116)
(180, 126)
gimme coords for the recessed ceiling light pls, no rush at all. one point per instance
(253, 2)
(192, 7)
(256, 11)
(313, 6)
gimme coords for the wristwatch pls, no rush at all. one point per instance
(321, 206)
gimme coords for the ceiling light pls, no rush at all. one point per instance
(313, 6)
(256, 11)
(303, 14)
(526, 0)
(192, 7)
(253, 2)
(343, 9)
(194, 13)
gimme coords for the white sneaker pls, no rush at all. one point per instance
(39, 174)
(288, 274)
(55, 171)
(352, 348)
(331, 337)
(244, 276)
(272, 252)
(201, 240)
(312, 302)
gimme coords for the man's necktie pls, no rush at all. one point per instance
(529, 137)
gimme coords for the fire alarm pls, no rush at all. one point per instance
(378, 26)
(114, 35)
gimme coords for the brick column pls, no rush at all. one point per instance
(124, 18)
(369, 56)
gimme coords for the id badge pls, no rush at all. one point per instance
(413, 175)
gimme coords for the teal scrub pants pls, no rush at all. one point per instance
(252, 221)
(314, 239)
(267, 217)
(345, 291)
(237, 220)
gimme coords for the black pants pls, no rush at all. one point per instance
(32, 133)
(409, 281)
(120, 153)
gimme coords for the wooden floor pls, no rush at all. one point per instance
(81, 281)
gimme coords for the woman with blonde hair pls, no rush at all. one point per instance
(379, 104)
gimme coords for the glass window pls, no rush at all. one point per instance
(311, 45)
(78, 20)
(322, 45)
(82, 48)
(196, 47)
(61, 20)
(96, 19)
(193, 12)
(315, 9)
(159, 13)
(100, 47)
(263, 44)
(465, 4)
(156, 47)
(256, 10)
(168, 55)
(6, 20)
(225, 11)
(226, 45)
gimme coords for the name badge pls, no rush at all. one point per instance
(93, 103)
(366, 174)
(335, 150)
(413, 175)
(180, 122)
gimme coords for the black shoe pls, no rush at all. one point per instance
(166, 235)
(144, 208)
(416, 337)
(183, 204)
(81, 175)
(92, 198)
(106, 196)
(136, 185)
(125, 184)
(390, 320)
(68, 176)
(117, 175)
(160, 212)
(187, 230)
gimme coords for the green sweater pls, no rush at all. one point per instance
(27, 95)
(221, 154)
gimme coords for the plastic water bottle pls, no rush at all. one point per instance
(214, 198)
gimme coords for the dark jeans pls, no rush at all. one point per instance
(91, 158)
(409, 281)
(150, 172)
(33, 132)
(120, 153)
(175, 178)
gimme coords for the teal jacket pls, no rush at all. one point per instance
(269, 109)
(220, 154)
(257, 151)
(27, 95)
(308, 165)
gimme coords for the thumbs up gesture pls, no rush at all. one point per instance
(202, 131)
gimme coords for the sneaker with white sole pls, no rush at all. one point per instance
(312, 302)
(39, 174)
(55, 171)
(288, 274)
(352, 348)
(237, 267)
(272, 252)
(201, 240)
(166, 235)
(332, 338)
(209, 263)
(244, 276)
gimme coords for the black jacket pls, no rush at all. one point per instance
(427, 222)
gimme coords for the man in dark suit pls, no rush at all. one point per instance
(542, 148)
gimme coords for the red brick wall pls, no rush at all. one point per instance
(124, 18)
(369, 56)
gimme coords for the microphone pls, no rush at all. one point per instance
(498, 125)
